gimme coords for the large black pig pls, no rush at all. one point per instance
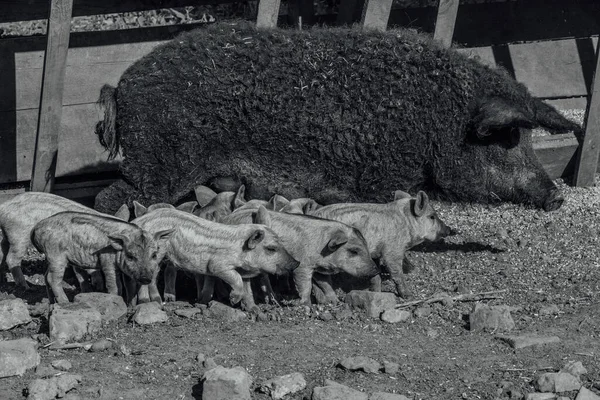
(338, 115)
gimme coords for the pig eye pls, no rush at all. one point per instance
(154, 256)
(354, 252)
(432, 217)
(271, 249)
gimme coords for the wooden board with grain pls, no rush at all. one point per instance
(445, 21)
(376, 14)
(268, 13)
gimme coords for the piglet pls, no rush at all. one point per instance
(390, 229)
(93, 241)
(301, 206)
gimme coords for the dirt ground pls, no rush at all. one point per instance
(539, 258)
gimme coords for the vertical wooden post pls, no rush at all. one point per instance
(268, 12)
(50, 111)
(376, 14)
(444, 23)
(587, 156)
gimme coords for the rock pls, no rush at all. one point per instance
(374, 303)
(586, 394)
(551, 309)
(39, 309)
(326, 316)
(226, 384)
(110, 306)
(337, 392)
(484, 317)
(393, 316)
(44, 371)
(391, 368)
(149, 313)
(101, 345)
(422, 312)
(574, 368)
(360, 363)
(49, 389)
(73, 321)
(209, 363)
(281, 386)
(13, 313)
(188, 312)
(62, 365)
(225, 313)
(540, 396)
(519, 342)
(557, 382)
(387, 396)
(343, 314)
(200, 358)
(17, 356)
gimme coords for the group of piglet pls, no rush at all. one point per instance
(220, 236)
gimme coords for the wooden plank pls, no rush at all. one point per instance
(587, 159)
(46, 144)
(444, 24)
(78, 148)
(556, 153)
(376, 14)
(268, 12)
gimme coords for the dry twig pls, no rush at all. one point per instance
(461, 297)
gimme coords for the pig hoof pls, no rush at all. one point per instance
(235, 298)
(169, 298)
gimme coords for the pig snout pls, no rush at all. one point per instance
(553, 202)
(144, 280)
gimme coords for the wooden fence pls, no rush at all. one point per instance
(50, 84)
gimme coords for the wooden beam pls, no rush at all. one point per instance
(376, 14)
(55, 62)
(587, 157)
(268, 12)
(444, 23)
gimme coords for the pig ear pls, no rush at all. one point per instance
(138, 209)
(164, 235)
(310, 206)
(277, 202)
(338, 239)
(420, 204)
(204, 195)
(495, 113)
(123, 213)
(255, 238)
(118, 241)
(262, 217)
(188, 207)
(399, 194)
(239, 199)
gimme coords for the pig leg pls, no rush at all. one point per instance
(81, 276)
(97, 281)
(233, 279)
(248, 303)
(170, 281)
(205, 288)
(375, 284)
(15, 255)
(54, 276)
(395, 269)
(327, 294)
(303, 281)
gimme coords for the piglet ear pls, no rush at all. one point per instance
(239, 199)
(138, 209)
(204, 195)
(495, 113)
(399, 194)
(123, 213)
(255, 238)
(277, 202)
(262, 217)
(338, 239)
(118, 241)
(188, 207)
(420, 204)
(311, 206)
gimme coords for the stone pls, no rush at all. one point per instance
(17, 356)
(13, 313)
(222, 383)
(551, 309)
(49, 389)
(149, 313)
(326, 316)
(343, 314)
(574, 368)
(200, 357)
(519, 342)
(360, 363)
(39, 309)
(374, 303)
(281, 386)
(391, 368)
(387, 396)
(225, 313)
(45, 371)
(73, 321)
(62, 365)
(337, 392)
(495, 318)
(188, 312)
(422, 312)
(110, 306)
(209, 363)
(393, 316)
(557, 382)
(540, 396)
(586, 394)
(101, 345)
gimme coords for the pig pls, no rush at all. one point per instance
(203, 247)
(94, 241)
(322, 247)
(275, 203)
(222, 204)
(301, 206)
(313, 118)
(19, 215)
(390, 229)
